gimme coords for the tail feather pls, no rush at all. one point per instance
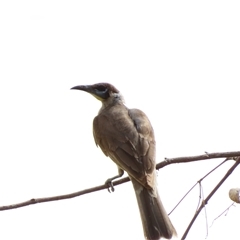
(155, 221)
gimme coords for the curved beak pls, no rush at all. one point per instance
(81, 87)
(92, 90)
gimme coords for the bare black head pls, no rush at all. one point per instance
(102, 91)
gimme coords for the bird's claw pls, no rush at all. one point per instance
(110, 185)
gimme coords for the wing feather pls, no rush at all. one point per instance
(127, 137)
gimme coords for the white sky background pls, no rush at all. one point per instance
(178, 61)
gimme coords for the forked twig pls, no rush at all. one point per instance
(204, 202)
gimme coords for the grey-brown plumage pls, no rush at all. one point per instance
(127, 137)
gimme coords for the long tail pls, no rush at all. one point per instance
(155, 221)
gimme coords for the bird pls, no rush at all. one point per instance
(127, 137)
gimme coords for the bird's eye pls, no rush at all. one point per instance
(101, 89)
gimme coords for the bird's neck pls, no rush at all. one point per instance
(114, 99)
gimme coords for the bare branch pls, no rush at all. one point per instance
(62, 197)
(205, 156)
(166, 162)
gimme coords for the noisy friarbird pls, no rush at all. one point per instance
(127, 137)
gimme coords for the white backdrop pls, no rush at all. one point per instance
(178, 61)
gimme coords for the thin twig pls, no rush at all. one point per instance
(225, 211)
(183, 197)
(195, 186)
(200, 195)
(205, 210)
(204, 202)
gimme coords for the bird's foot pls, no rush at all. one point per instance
(109, 181)
(110, 185)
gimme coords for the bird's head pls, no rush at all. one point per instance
(101, 91)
